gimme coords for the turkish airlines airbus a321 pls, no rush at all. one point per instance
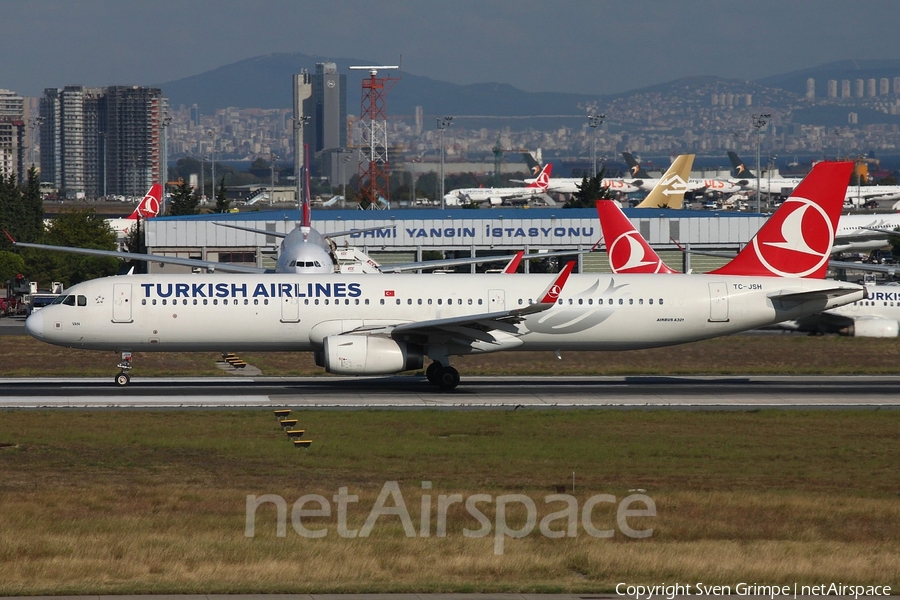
(385, 324)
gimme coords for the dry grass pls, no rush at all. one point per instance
(748, 354)
(154, 502)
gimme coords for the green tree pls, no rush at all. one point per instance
(589, 191)
(222, 201)
(185, 201)
(11, 264)
(81, 228)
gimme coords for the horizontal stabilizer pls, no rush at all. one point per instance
(824, 295)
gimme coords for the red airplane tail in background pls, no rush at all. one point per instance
(149, 205)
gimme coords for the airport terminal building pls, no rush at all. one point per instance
(404, 235)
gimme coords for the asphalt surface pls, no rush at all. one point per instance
(715, 392)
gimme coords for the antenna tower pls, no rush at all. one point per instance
(374, 174)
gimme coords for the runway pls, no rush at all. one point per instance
(719, 392)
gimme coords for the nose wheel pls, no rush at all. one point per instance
(122, 379)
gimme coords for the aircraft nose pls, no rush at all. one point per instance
(34, 324)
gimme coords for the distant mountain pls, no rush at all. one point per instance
(265, 82)
(795, 81)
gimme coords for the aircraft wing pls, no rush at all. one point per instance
(456, 262)
(807, 296)
(282, 235)
(172, 260)
(871, 268)
(477, 328)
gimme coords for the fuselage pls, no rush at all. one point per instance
(288, 312)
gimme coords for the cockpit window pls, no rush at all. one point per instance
(82, 300)
(69, 301)
(58, 300)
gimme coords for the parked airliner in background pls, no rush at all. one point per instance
(496, 196)
(147, 208)
(642, 180)
(359, 325)
(877, 315)
(781, 186)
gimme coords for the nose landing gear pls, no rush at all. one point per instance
(122, 379)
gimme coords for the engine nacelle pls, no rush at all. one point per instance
(873, 328)
(369, 355)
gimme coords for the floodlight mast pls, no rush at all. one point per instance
(374, 175)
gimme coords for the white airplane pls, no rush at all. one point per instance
(642, 180)
(496, 196)
(147, 208)
(781, 186)
(390, 323)
(877, 315)
(772, 186)
(570, 185)
(865, 232)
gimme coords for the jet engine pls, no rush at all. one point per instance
(872, 328)
(369, 355)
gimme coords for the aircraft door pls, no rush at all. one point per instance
(718, 302)
(122, 303)
(496, 300)
(290, 310)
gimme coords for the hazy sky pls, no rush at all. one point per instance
(587, 46)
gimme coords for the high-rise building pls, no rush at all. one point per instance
(70, 140)
(810, 89)
(130, 118)
(12, 135)
(98, 142)
(832, 88)
(845, 88)
(326, 132)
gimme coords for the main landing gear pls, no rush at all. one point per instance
(445, 377)
(122, 379)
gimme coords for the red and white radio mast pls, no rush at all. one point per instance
(374, 174)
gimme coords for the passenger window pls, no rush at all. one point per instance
(420, 302)
(154, 302)
(581, 301)
(266, 301)
(650, 300)
(409, 301)
(429, 302)
(621, 302)
(631, 301)
(382, 302)
(367, 301)
(215, 301)
(641, 301)
(398, 301)
(144, 302)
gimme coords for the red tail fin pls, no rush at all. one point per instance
(628, 251)
(149, 205)
(513, 264)
(796, 240)
(543, 179)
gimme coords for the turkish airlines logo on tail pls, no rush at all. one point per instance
(149, 205)
(543, 180)
(798, 245)
(629, 254)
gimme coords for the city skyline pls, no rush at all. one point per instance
(579, 46)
